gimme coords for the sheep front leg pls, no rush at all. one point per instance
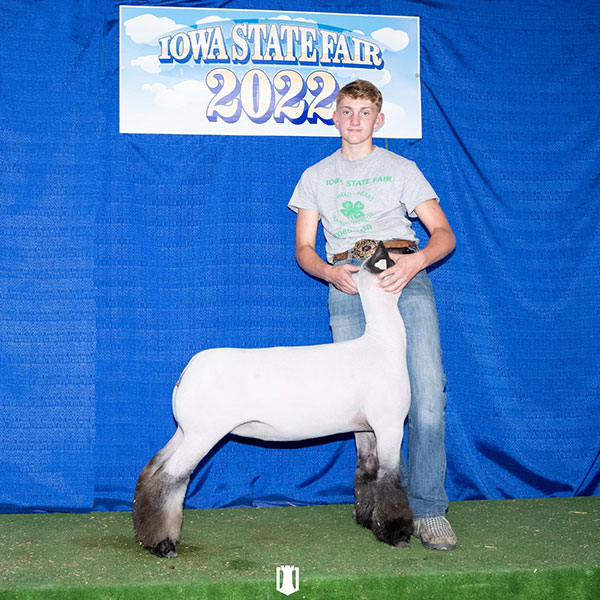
(392, 517)
(365, 477)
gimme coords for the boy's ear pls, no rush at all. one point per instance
(379, 121)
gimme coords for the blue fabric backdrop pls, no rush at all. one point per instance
(123, 255)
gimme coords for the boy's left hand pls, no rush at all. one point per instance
(395, 278)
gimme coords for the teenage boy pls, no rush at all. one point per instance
(362, 193)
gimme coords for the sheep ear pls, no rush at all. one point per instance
(380, 261)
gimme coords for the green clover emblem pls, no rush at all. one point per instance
(353, 210)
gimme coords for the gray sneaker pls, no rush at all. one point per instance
(435, 533)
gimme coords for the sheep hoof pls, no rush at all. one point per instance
(164, 549)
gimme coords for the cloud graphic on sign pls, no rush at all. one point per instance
(286, 18)
(394, 39)
(212, 19)
(146, 29)
(149, 64)
(375, 76)
(393, 112)
(180, 95)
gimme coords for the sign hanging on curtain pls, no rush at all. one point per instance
(255, 72)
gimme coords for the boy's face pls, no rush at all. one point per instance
(356, 119)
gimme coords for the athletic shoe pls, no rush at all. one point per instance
(435, 533)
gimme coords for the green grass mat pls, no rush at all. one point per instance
(530, 549)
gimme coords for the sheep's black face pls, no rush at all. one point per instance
(379, 261)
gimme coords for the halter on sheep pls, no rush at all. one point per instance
(287, 394)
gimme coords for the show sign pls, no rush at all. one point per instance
(254, 72)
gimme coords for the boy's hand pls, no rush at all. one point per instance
(341, 278)
(405, 268)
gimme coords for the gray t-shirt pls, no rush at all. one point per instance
(366, 198)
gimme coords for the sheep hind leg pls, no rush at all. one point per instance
(392, 517)
(158, 511)
(365, 478)
(160, 492)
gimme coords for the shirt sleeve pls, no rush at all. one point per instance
(415, 189)
(305, 194)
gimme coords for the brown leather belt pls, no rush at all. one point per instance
(365, 248)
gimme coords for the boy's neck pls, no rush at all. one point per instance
(356, 152)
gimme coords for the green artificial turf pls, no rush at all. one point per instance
(530, 549)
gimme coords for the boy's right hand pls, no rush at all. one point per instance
(340, 277)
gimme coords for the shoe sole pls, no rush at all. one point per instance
(440, 546)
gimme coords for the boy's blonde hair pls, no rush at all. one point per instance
(361, 90)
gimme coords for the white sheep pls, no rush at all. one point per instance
(288, 394)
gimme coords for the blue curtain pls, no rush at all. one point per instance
(123, 255)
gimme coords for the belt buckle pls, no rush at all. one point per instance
(364, 248)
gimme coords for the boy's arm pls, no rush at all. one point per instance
(441, 237)
(307, 223)
(441, 243)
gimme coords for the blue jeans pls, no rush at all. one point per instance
(424, 477)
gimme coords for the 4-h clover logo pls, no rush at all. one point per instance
(353, 210)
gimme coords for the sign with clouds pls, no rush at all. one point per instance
(253, 72)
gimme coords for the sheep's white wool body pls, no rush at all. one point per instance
(295, 393)
(286, 394)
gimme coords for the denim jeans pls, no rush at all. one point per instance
(425, 474)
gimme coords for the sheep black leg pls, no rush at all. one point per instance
(158, 510)
(392, 517)
(160, 492)
(365, 478)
